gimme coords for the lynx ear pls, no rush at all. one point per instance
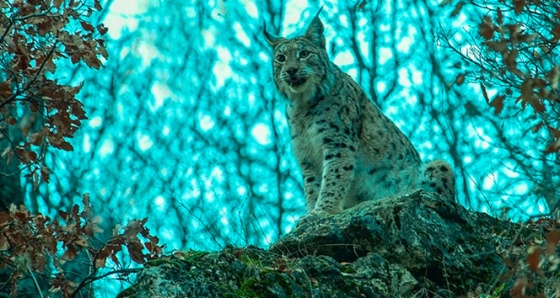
(315, 32)
(271, 39)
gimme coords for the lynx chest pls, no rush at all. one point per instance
(306, 129)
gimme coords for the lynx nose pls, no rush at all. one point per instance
(292, 70)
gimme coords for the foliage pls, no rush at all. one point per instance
(532, 259)
(515, 50)
(35, 245)
(34, 36)
(509, 50)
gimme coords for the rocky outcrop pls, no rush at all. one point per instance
(413, 246)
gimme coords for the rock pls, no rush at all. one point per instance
(409, 243)
(400, 247)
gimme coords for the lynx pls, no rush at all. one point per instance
(348, 150)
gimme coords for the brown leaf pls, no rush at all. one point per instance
(486, 29)
(533, 258)
(91, 60)
(11, 120)
(87, 26)
(498, 104)
(28, 8)
(103, 52)
(552, 147)
(44, 27)
(50, 66)
(97, 5)
(135, 252)
(75, 58)
(500, 17)
(100, 262)
(78, 110)
(93, 227)
(553, 76)
(36, 138)
(552, 240)
(82, 242)
(5, 89)
(148, 246)
(554, 132)
(460, 79)
(45, 174)
(115, 259)
(63, 214)
(39, 261)
(510, 59)
(555, 34)
(34, 107)
(27, 156)
(57, 3)
(528, 94)
(537, 105)
(537, 127)
(519, 5)
(69, 254)
(527, 38)
(497, 46)
(514, 30)
(102, 29)
(4, 218)
(22, 60)
(22, 215)
(133, 228)
(65, 146)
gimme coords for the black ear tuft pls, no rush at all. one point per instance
(271, 39)
(315, 32)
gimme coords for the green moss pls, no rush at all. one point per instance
(246, 289)
(249, 260)
(192, 256)
(158, 262)
(179, 259)
(498, 291)
(348, 269)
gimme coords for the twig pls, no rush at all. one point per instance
(34, 279)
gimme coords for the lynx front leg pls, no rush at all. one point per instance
(338, 174)
(312, 186)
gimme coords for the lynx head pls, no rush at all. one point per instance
(301, 64)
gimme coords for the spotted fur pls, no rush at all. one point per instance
(437, 176)
(348, 150)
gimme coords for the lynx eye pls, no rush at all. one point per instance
(303, 54)
(281, 58)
